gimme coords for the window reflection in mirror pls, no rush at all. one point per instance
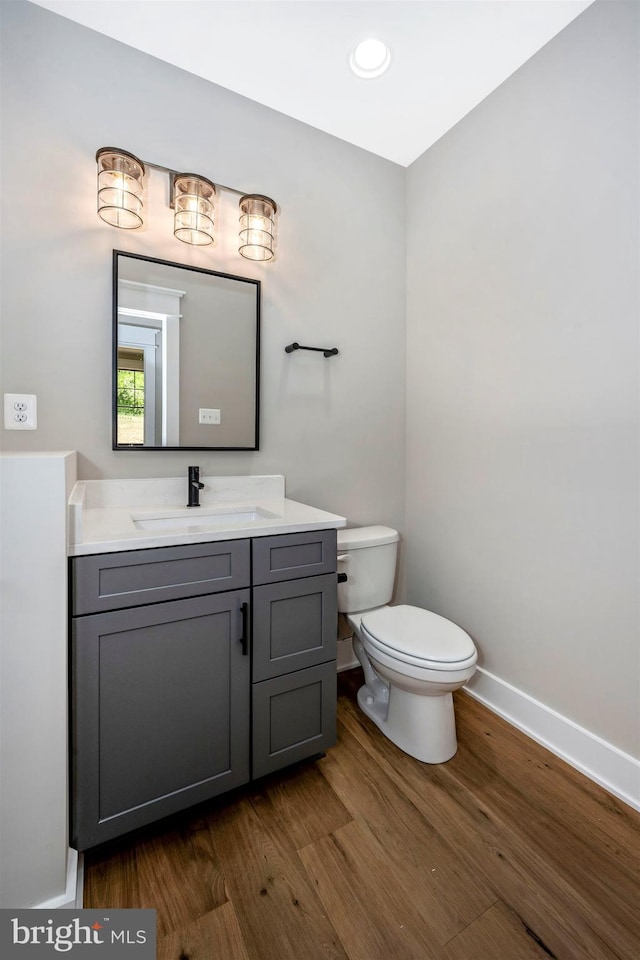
(185, 357)
(130, 395)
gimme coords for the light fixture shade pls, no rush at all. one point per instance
(120, 182)
(256, 226)
(193, 206)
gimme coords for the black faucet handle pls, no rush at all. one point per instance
(194, 486)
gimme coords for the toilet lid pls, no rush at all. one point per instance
(419, 634)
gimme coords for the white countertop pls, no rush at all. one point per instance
(103, 514)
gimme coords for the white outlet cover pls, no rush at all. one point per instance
(20, 411)
(207, 415)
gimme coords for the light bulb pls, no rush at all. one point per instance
(370, 58)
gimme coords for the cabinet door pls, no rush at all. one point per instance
(294, 717)
(160, 715)
(294, 625)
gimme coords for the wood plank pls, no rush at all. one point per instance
(279, 913)
(171, 867)
(215, 936)
(300, 804)
(370, 912)
(497, 935)
(606, 822)
(111, 877)
(514, 784)
(494, 851)
(417, 857)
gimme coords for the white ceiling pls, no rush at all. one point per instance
(293, 55)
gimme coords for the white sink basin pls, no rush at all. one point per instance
(201, 518)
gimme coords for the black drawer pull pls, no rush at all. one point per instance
(342, 578)
(244, 639)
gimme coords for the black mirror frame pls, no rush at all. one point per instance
(114, 368)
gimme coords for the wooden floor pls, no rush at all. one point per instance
(503, 853)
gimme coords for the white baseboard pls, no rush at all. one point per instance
(608, 766)
(68, 899)
(79, 904)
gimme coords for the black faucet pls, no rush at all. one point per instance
(195, 486)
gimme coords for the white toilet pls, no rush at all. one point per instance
(412, 659)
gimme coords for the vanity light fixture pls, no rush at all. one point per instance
(256, 226)
(120, 177)
(193, 205)
(120, 185)
(370, 58)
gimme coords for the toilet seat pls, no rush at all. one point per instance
(418, 637)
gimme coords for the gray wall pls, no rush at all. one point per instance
(522, 498)
(333, 427)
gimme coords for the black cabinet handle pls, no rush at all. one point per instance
(244, 639)
(342, 578)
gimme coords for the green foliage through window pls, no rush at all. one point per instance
(131, 392)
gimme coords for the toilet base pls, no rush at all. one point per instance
(422, 726)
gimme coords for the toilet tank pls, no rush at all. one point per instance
(368, 557)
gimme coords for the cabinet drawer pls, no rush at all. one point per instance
(112, 581)
(294, 717)
(294, 625)
(294, 555)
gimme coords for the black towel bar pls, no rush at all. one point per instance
(327, 351)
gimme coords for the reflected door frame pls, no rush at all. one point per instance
(144, 304)
(145, 339)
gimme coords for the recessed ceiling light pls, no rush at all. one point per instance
(370, 58)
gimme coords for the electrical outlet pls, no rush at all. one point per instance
(208, 416)
(20, 411)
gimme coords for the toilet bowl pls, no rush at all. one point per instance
(412, 659)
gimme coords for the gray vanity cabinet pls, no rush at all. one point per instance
(190, 674)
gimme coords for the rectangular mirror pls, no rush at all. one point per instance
(186, 357)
